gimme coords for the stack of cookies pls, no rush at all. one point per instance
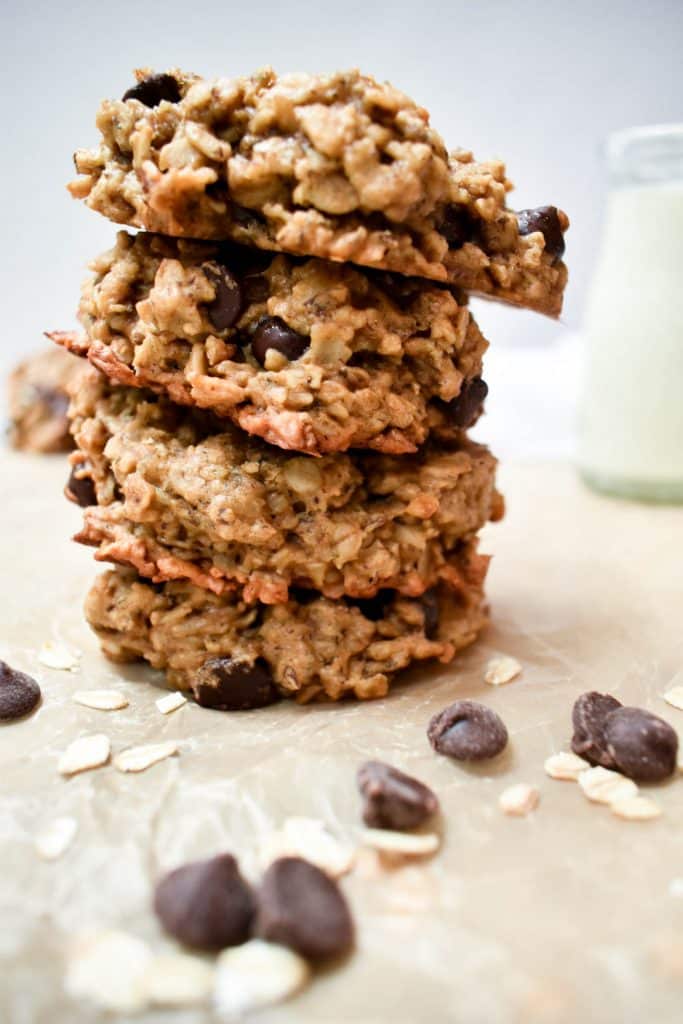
(271, 440)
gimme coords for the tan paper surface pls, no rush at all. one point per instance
(568, 915)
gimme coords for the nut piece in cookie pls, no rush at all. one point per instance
(206, 904)
(301, 907)
(467, 731)
(394, 800)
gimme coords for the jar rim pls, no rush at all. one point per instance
(645, 153)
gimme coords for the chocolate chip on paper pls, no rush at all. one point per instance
(589, 714)
(300, 907)
(19, 693)
(467, 731)
(643, 746)
(394, 800)
(206, 904)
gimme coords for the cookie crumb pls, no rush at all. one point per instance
(138, 759)
(404, 844)
(636, 808)
(108, 967)
(502, 670)
(310, 839)
(257, 974)
(171, 702)
(56, 838)
(178, 979)
(101, 700)
(603, 786)
(565, 765)
(674, 697)
(519, 800)
(55, 654)
(85, 753)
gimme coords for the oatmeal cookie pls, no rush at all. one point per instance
(336, 166)
(38, 402)
(182, 495)
(308, 649)
(310, 355)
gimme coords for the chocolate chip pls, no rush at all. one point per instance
(301, 907)
(430, 610)
(392, 799)
(229, 684)
(374, 608)
(272, 332)
(56, 401)
(206, 904)
(588, 718)
(255, 287)
(152, 90)
(465, 409)
(642, 745)
(80, 489)
(457, 226)
(546, 220)
(225, 310)
(467, 731)
(19, 693)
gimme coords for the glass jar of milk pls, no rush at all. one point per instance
(631, 431)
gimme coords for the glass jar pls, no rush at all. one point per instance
(631, 427)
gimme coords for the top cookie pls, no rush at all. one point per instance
(335, 166)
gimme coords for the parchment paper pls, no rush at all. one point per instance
(568, 915)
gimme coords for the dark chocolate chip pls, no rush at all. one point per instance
(467, 731)
(255, 287)
(56, 401)
(457, 226)
(465, 409)
(546, 220)
(225, 310)
(430, 610)
(152, 90)
(374, 608)
(229, 684)
(272, 332)
(392, 799)
(246, 218)
(642, 745)
(301, 907)
(206, 904)
(80, 490)
(19, 693)
(588, 718)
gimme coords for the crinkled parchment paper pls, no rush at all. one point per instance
(569, 914)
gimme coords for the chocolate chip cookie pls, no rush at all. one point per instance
(308, 649)
(38, 402)
(183, 495)
(336, 166)
(310, 355)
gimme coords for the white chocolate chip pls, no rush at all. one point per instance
(519, 800)
(565, 765)
(405, 844)
(54, 654)
(257, 974)
(606, 787)
(674, 697)
(502, 670)
(178, 979)
(138, 759)
(56, 838)
(309, 838)
(636, 808)
(108, 968)
(171, 702)
(101, 700)
(85, 753)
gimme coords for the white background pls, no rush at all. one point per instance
(537, 83)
